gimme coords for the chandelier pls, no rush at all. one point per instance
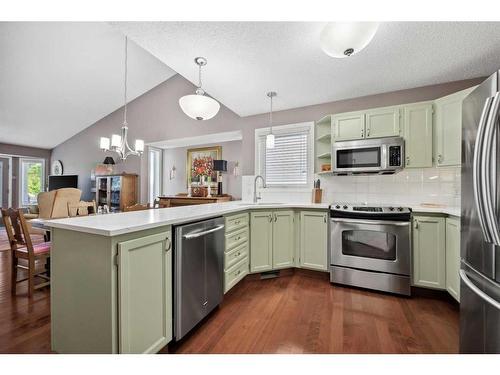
(119, 143)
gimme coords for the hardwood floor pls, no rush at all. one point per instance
(300, 312)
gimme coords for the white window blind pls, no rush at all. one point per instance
(287, 163)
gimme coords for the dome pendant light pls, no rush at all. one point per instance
(199, 106)
(270, 136)
(344, 39)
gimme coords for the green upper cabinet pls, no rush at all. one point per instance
(418, 135)
(283, 239)
(145, 293)
(382, 122)
(429, 251)
(448, 128)
(348, 126)
(313, 240)
(261, 241)
(453, 256)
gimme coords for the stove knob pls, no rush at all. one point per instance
(345, 207)
(337, 207)
(400, 209)
(391, 208)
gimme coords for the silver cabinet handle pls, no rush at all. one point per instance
(440, 158)
(407, 160)
(372, 222)
(270, 218)
(199, 234)
(478, 291)
(168, 244)
(362, 133)
(236, 222)
(324, 219)
(416, 224)
(368, 132)
(489, 170)
(275, 218)
(478, 170)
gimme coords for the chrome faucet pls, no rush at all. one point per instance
(255, 197)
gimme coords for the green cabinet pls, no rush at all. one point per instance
(382, 122)
(453, 256)
(418, 135)
(145, 293)
(448, 128)
(348, 126)
(429, 251)
(271, 240)
(313, 240)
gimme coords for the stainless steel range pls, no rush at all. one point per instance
(370, 247)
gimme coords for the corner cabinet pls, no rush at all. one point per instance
(145, 293)
(429, 267)
(418, 135)
(453, 256)
(271, 240)
(313, 240)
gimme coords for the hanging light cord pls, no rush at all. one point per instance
(125, 83)
(271, 116)
(199, 76)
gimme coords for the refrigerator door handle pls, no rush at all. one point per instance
(489, 177)
(478, 170)
(478, 291)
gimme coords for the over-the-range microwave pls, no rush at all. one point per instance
(368, 156)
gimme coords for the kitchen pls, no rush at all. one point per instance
(349, 218)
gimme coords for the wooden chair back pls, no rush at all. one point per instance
(81, 208)
(137, 207)
(64, 197)
(25, 229)
(46, 203)
(11, 223)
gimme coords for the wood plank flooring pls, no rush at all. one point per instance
(300, 312)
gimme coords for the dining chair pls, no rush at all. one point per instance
(137, 207)
(22, 247)
(81, 208)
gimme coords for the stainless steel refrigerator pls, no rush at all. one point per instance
(480, 236)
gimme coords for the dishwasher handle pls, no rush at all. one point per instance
(199, 234)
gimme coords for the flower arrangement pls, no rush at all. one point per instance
(202, 166)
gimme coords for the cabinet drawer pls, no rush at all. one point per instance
(236, 222)
(236, 238)
(235, 255)
(235, 274)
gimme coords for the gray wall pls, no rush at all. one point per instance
(156, 116)
(16, 151)
(231, 151)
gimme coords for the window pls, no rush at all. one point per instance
(154, 173)
(32, 172)
(289, 163)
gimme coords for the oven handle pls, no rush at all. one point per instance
(372, 222)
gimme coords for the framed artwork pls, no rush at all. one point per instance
(200, 163)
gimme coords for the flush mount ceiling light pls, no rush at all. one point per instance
(119, 143)
(344, 39)
(270, 136)
(199, 106)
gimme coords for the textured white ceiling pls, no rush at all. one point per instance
(247, 59)
(58, 78)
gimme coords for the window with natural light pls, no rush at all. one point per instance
(288, 164)
(154, 168)
(32, 173)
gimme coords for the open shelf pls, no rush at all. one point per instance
(324, 172)
(324, 138)
(326, 155)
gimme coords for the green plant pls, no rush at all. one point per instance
(34, 179)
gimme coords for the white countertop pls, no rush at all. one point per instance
(126, 222)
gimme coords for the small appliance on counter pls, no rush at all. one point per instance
(370, 247)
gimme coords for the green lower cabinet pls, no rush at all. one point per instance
(283, 239)
(261, 241)
(429, 265)
(453, 257)
(313, 240)
(145, 293)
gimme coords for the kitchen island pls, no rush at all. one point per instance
(111, 287)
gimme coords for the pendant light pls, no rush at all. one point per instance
(119, 143)
(270, 136)
(198, 106)
(344, 39)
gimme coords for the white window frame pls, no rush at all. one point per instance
(9, 183)
(159, 151)
(260, 145)
(21, 178)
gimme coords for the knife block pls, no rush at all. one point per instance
(316, 195)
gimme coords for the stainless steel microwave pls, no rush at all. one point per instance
(368, 156)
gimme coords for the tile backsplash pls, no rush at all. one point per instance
(410, 187)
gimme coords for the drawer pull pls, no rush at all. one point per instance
(237, 273)
(237, 222)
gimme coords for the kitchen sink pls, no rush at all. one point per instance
(259, 204)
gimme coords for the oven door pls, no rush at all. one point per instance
(375, 245)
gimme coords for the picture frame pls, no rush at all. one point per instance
(199, 163)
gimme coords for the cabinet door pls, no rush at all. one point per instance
(283, 239)
(261, 241)
(313, 240)
(382, 122)
(429, 252)
(453, 257)
(348, 126)
(145, 293)
(418, 135)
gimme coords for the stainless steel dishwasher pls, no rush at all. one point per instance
(198, 272)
